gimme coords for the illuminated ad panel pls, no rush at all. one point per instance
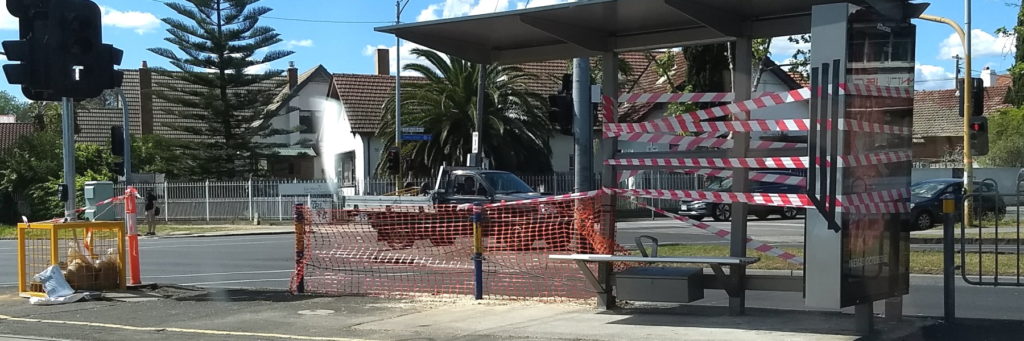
(863, 70)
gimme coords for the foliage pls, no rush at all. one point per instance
(1015, 95)
(801, 59)
(516, 131)
(33, 168)
(1005, 139)
(159, 154)
(10, 105)
(212, 83)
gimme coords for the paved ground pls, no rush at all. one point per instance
(251, 314)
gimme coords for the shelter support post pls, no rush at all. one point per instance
(609, 87)
(583, 125)
(741, 83)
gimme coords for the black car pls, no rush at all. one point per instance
(723, 212)
(926, 201)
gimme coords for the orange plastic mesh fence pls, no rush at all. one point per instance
(427, 251)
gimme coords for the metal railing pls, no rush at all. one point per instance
(990, 246)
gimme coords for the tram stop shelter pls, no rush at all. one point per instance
(862, 66)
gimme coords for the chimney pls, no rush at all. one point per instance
(382, 64)
(146, 98)
(988, 77)
(293, 76)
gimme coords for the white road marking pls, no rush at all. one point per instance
(143, 247)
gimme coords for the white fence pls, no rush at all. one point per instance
(248, 200)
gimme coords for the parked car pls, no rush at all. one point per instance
(723, 212)
(926, 201)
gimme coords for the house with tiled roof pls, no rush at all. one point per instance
(938, 127)
(363, 96)
(149, 114)
(11, 131)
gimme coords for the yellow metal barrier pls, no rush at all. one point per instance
(87, 252)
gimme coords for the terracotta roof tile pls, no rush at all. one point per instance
(935, 112)
(10, 132)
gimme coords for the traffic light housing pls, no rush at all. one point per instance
(977, 96)
(60, 50)
(117, 141)
(560, 112)
(979, 135)
(394, 159)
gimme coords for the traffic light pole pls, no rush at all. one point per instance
(68, 127)
(127, 158)
(965, 39)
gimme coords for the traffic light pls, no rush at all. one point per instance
(393, 160)
(60, 50)
(979, 135)
(117, 141)
(560, 112)
(977, 96)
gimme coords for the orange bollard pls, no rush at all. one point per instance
(130, 211)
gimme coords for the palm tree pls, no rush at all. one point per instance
(516, 129)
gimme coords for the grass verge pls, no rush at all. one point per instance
(921, 262)
(7, 231)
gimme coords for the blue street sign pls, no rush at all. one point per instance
(416, 137)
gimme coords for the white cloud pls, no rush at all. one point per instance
(458, 8)
(141, 22)
(983, 44)
(783, 49)
(300, 43)
(931, 77)
(255, 69)
(540, 3)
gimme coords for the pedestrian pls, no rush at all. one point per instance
(151, 212)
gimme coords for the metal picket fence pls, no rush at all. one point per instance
(248, 200)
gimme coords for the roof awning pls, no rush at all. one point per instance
(588, 28)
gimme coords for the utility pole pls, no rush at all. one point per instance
(968, 83)
(68, 130)
(399, 7)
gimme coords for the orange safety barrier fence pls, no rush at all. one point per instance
(408, 251)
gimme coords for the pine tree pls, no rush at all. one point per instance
(219, 40)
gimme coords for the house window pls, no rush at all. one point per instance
(306, 121)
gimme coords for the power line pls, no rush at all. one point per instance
(308, 20)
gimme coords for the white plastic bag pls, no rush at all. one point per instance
(54, 283)
(56, 300)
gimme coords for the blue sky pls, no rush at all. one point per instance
(133, 26)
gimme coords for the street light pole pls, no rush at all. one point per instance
(399, 7)
(68, 129)
(968, 109)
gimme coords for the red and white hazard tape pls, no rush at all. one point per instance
(867, 198)
(756, 176)
(617, 129)
(794, 162)
(691, 142)
(876, 90)
(876, 208)
(563, 197)
(723, 233)
(769, 199)
(772, 162)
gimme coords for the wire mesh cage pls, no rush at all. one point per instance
(91, 255)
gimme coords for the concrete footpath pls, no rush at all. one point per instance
(175, 313)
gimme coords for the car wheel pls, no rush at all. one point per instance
(722, 213)
(790, 213)
(923, 221)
